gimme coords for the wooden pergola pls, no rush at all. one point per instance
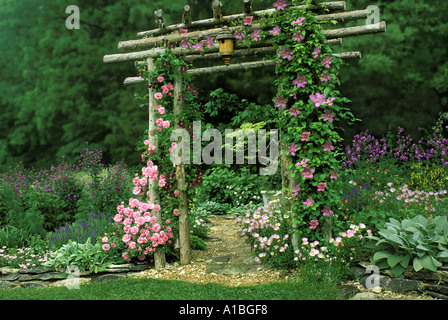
(148, 47)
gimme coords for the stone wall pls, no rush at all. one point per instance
(434, 284)
(27, 278)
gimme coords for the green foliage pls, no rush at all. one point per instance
(13, 237)
(418, 243)
(236, 185)
(428, 177)
(382, 94)
(86, 256)
(212, 207)
(197, 243)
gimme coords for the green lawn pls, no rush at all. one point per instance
(155, 289)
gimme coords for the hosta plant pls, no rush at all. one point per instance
(415, 244)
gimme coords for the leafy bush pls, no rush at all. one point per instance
(418, 243)
(429, 177)
(86, 256)
(235, 186)
(212, 207)
(197, 243)
(46, 200)
(13, 237)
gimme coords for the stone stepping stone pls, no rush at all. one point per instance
(232, 269)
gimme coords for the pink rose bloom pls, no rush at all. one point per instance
(106, 247)
(176, 212)
(105, 239)
(159, 122)
(157, 208)
(158, 96)
(151, 147)
(160, 109)
(125, 256)
(176, 192)
(166, 124)
(126, 238)
(137, 190)
(143, 182)
(160, 78)
(140, 221)
(120, 208)
(165, 89)
(127, 221)
(132, 245)
(156, 227)
(118, 218)
(153, 220)
(162, 183)
(134, 230)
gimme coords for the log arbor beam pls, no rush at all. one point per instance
(331, 6)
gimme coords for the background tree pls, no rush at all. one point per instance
(56, 94)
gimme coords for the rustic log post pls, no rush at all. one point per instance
(160, 21)
(184, 225)
(247, 6)
(154, 196)
(288, 181)
(186, 15)
(217, 6)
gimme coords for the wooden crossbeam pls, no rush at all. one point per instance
(155, 52)
(147, 43)
(237, 66)
(331, 6)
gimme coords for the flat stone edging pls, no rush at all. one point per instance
(31, 278)
(434, 284)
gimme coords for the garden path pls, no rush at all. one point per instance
(227, 259)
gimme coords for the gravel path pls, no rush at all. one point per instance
(227, 260)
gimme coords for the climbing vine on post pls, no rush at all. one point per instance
(309, 106)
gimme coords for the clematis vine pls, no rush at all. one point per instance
(280, 5)
(248, 20)
(300, 82)
(328, 116)
(292, 148)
